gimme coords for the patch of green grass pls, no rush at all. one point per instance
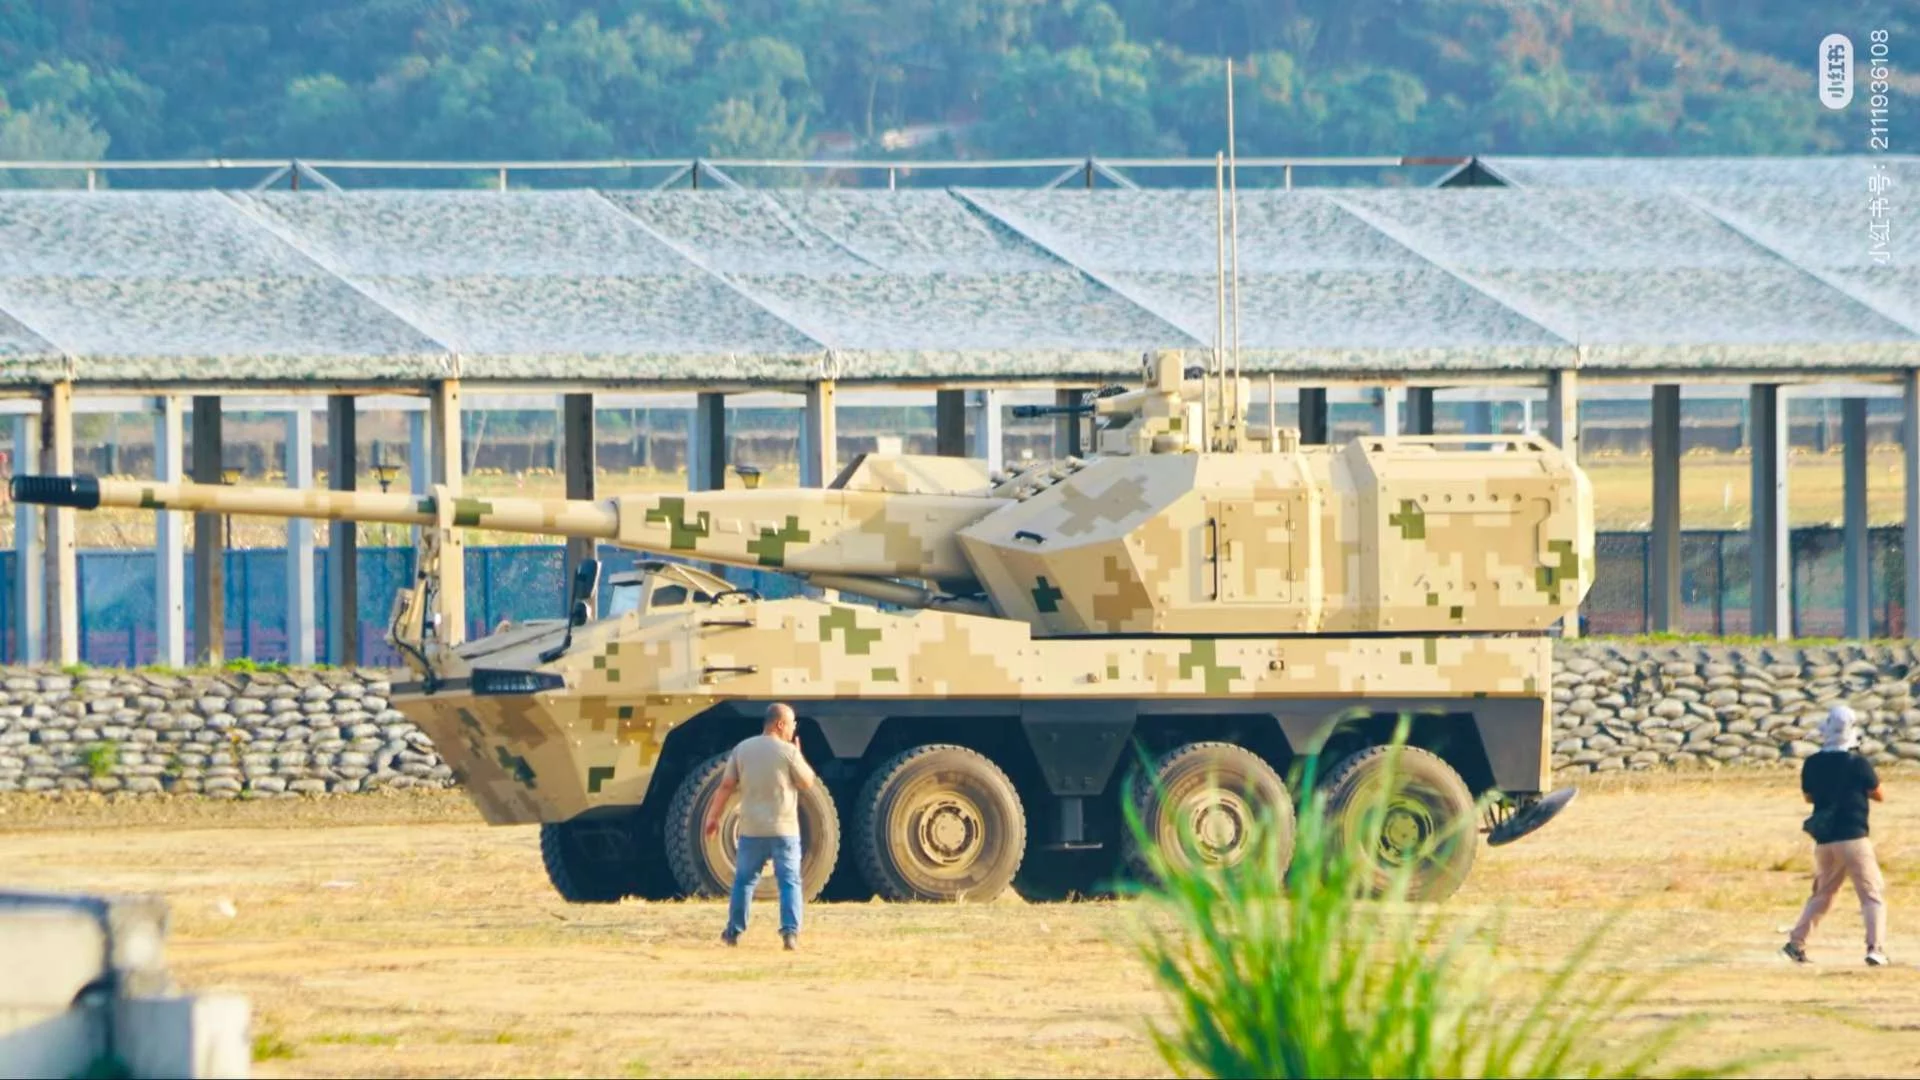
(357, 1038)
(1324, 968)
(1674, 638)
(269, 1046)
(101, 758)
(246, 666)
(637, 1069)
(75, 670)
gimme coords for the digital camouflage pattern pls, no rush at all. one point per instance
(1187, 558)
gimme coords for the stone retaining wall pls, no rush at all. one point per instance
(217, 734)
(1618, 707)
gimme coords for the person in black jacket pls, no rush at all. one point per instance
(1839, 783)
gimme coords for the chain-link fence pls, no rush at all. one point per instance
(117, 592)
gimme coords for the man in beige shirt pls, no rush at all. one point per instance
(770, 773)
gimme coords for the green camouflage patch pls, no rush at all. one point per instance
(885, 674)
(772, 544)
(1046, 597)
(1411, 520)
(858, 642)
(147, 501)
(1548, 578)
(1201, 657)
(467, 512)
(1432, 648)
(597, 775)
(681, 536)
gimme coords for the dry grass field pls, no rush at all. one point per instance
(400, 937)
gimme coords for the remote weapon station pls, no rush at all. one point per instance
(1172, 620)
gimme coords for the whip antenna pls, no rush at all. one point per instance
(1218, 369)
(1233, 238)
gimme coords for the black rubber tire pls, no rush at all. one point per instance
(1246, 791)
(980, 811)
(1051, 877)
(601, 861)
(704, 867)
(1429, 808)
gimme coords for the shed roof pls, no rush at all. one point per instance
(780, 286)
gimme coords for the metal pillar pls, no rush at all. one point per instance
(209, 540)
(343, 537)
(1315, 424)
(1067, 429)
(302, 615)
(1419, 410)
(29, 552)
(419, 468)
(1772, 579)
(63, 579)
(707, 444)
(987, 436)
(1910, 534)
(1386, 411)
(1853, 538)
(169, 536)
(950, 423)
(577, 446)
(820, 463)
(443, 424)
(1664, 598)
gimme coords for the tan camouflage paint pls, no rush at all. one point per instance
(1116, 576)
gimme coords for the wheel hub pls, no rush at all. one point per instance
(1219, 823)
(948, 831)
(1404, 831)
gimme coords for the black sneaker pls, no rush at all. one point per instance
(1795, 952)
(728, 937)
(1877, 958)
(791, 941)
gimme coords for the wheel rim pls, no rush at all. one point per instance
(947, 832)
(1406, 831)
(1220, 822)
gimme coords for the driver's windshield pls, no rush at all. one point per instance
(623, 597)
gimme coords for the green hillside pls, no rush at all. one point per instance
(546, 78)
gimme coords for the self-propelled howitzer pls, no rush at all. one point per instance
(1173, 621)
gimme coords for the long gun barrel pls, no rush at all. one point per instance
(804, 530)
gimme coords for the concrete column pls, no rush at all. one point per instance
(577, 448)
(1386, 415)
(821, 462)
(1067, 429)
(343, 537)
(1664, 591)
(301, 612)
(950, 423)
(1563, 411)
(707, 444)
(1419, 410)
(1315, 425)
(170, 534)
(987, 437)
(63, 578)
(1772, 574)
(29, 552)
(1910, 538)
(419, 467)
(209, 540)
(1853, 540)
(443, 424)
(1563, 430)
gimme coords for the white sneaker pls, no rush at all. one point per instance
(1877, 958)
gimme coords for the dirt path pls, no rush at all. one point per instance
(399, 937)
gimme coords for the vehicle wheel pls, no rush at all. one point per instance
(1202, 806)
(703, 866)
(1425, 826)
(940, 823)
(1047, 877)
(600, 861)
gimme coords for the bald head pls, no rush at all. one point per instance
(779, 720)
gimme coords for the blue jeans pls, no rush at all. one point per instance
(755, 852)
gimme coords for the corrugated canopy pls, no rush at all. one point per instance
(781, 286)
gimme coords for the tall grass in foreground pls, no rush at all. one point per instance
(1303, 977)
